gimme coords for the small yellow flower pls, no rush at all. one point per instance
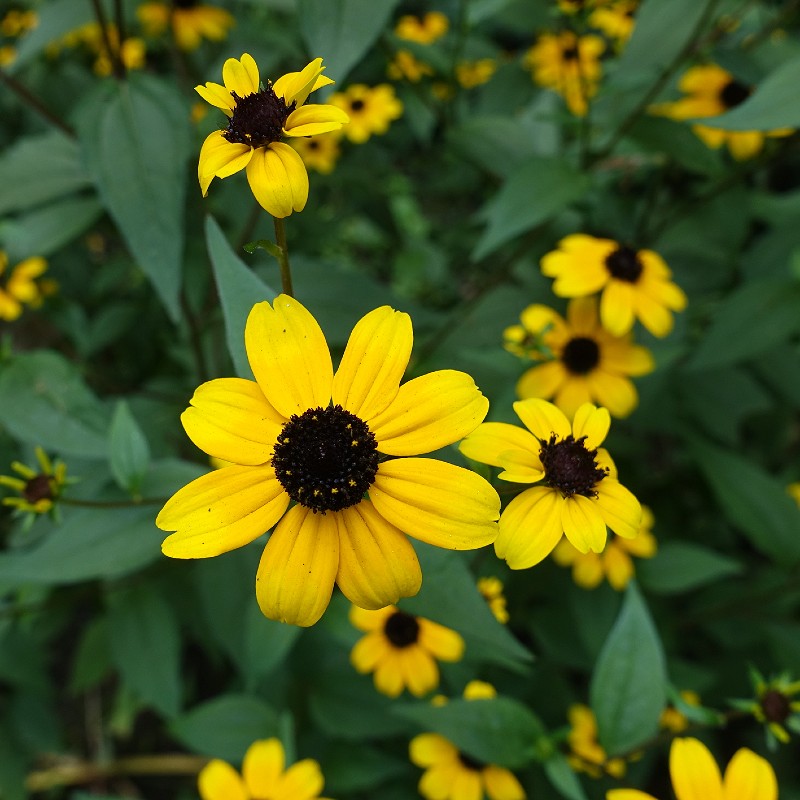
(8, 55)
(406, 66)
(258, 119)
(586, 753)
(567, 64)
(17, 22)
(21, 286)
(38, 491)
(710, 91)
(614, 563)
(319, 153)
(577, 492)
(470, 74)
(370, 110)
(615, 20)
(794, 492)
(264, 774)
(133, 53)
(191, 22)
(492, 591)
(695, 775)
(672, 719)
(635, 284)
(422, 30)
(401, 650)
(580, 361)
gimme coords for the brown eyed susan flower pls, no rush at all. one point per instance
(264, 775)
(401, 650)
(635, 284)
(38, 491)
(579, 361)
(422, 30)
(335, 447)
(258, 119)
(319, 153)
(191, 22)
(20, 286)
(695, 775)
(576, 491)
(406, 66)
(370, 109)
(615, 20)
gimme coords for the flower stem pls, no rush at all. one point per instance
(283, 257)
(37, 105)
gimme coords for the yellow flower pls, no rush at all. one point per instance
(370, 110)
(301, 433)
(264, 774)
(422, 30)
(8, 55)
(583, 363)
(38, 491)
(567, 64)
(20, 287)
(710, 91)
(16, 22)
(586, 754)
(794, 492)
(191, 22)
(470, 74)
(614, 563)
(401, 650)
(453, 775)
(578, 493)
(406, 65)
(492, 591)
(635, 284)
(695, 776)
(258, 119)
(132, 52)
(672, 719)
(320, 153)
(616, 20)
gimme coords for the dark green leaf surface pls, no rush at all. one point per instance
(128, 449)
(680, 566)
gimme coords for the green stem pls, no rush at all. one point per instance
(283, 257)
(114, 53)
(37, 105)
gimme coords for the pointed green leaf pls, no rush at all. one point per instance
(128, 449)
(680, 566)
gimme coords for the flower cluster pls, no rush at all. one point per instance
(22, 286)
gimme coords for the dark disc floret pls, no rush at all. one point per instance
(38, 488)
(326, 458)
(624, 264)
(357, 105)
(581, 355)
(570, 466)
(470, 763)
(401, 629)
(734, 93)
(258, 118)
(776, 706)
(570, 53)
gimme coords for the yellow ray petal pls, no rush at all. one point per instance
(444, 643)
(501, 784)
(295, 87)
(749, 777)
(542, 381)
(278, 179)
(220, 781)
(628, 794)
(220, 158)
(616, 307)
(428, 749)
(302, 781)
(695, 775)
(619, 508)
(368, 620)
(262, 767)
(593, 423)
(492, 439)
(583, 523)
(542, 419)
(616, 393)
(388, 677)
(521, 466)
(530, 527)
(369, 651)
(311, 120)
(218, 96)
(420, 673)
(241, 76)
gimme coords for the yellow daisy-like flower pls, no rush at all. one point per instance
(264, 774)
(672, 718)
(258, 118)
(492, 590)
(586, 753)
(370, 110)
(401, 650)
(616, 20)
(582, 362)
(568, 64)
(337, 445)
(191, 22)
(710, 91)
(405, 65)
(470, 74)
(319, 153)
(695, 775)
(20, 287)
(615, 563)
(422, 30)
(38, 490)
(578, 493)
(635, 284)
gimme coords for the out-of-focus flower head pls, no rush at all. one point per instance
(776, 706)
(371, 109)
(672, 718)
(586, 754)
(470, 74)
(22, 286)
(422, 30)
(37, 491)
(191, 22)
(492, 590)
(406, 66)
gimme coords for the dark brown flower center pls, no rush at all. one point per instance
(401, 629)
(570, 53)
(258, 118)
(470, 763)
(624, 264)
(775, 706)
(184, 3)
(734, 93)
(581, 355)
(356, 105)
(570, 466)
(38, 488)
(326, 458)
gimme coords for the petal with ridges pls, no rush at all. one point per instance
(311, 120)
(220, 781)
(583, 524)
(695, 774)
(262, 767)
(619, 508)
(616, 307)
(297, 86)
(521, 466)
(542, 419)
(278, 179)
(220, 158)
(241, 76)
(443, 643)
(217, 96)
(574, 392)
(492, 439)
(749, 777)
(593, 423)
(530, 527)
(296, 172)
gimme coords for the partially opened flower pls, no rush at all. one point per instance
(576, 493)
(696, 776)
(335, 447)
(264, 775)
(259, 117)
(401, 650)
(37, 490)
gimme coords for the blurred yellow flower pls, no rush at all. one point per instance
(586, 753)
(615, 20)
(794, 492)
(17, 21)
(492, 590)
(319, 153)
(405, 65)
(672, 719)
(39, 490)
(422, 30)
(370, 109)
(132, 51)
(20, 286)
(191, 22)
(470, 74)
(8, 55)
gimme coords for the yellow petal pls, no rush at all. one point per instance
(492, 439)
(220, 158)
(750, 777)
(542, 419)
(695, 775)
(587, 571)
(521, 466)
(373, 363)
(297, 86)
(262, 767)
(530, 527)
(220, 781)
(593, 423)
(278, 179)
(438, 503)
(311, 120)
(614, 392)
(572, 394)
(619, 508)
(302, 781)
(230, 418)
(370, 621)
(221, 511)
(430, 412)
(369, 651)
(501, 784)
(616, 307)
(466, 784)
(241, 76)
(298, 567)
(289, 356)
(583, 523)
(420, 673)
(628, 794)
(618, 566)
(377, 564)
(542, 381)
(388, 677)
(218, 96)
(441, 642)
(428, 749)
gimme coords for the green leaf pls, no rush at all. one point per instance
(45, 402)
(681, 566)
(41, 168)
(351, 768)
(628, 687)
(135, 140)
(226, 726)
(128, 449)
(92, 658)
(538, 190)
(342, 31)
(13, 767)
(266, 644)
(239, 289)
(772, 105)
(563, 778)
(264, 244)
(145, 643)
(753, 501)
(497, 730)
